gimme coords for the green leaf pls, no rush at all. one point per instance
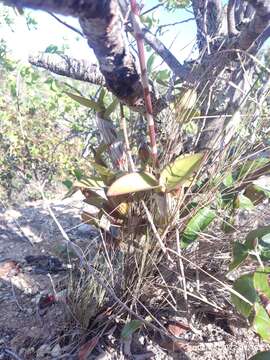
(240, 253)
(105, 173)
(244, 286)
(197, 224)
(101, 98)
(130, 328)
(133, 182)
(68, 183)
(261, 322)
(265, 355)
(260, 280)
(243, 202)
(180, 170)
(150, 62)
(110, 109)
(228, 180)
(84, 101)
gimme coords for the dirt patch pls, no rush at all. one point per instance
(35, 334)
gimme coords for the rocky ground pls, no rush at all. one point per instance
(33, 326)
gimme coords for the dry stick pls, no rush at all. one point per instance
(146, 87)
(123, 125)
(181, 267)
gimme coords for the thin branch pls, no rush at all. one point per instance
(173, 24)
(65, 24)
(144, 78)
(69, 67)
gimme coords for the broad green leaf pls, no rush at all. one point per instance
(243, 202)
(197, 224)
(110, 109)
(240, 253)
(260, 280)
(130, 328)
(104, 172)
(85, 101)
(180, 170)
(68, 183)
(101, 98)
(265, 355)
(244, 286)
(261, 322)
(150, 63)
(133, 182)
(228, 180)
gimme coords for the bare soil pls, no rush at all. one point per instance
(31, 334)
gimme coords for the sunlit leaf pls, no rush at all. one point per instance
(180, 170)
(261, 322)
(130, 328)
(131, 183)
(196, 225)
(244, 286)
(85, 101)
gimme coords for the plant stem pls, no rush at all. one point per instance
(146, 86)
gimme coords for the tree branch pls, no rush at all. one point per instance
(102, 25)
(259, 22)
(66, 66)
(65, 24)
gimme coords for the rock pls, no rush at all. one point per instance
(56, 351)
(44, 350)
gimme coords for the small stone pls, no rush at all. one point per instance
(44, 350)
(56, 351)
(22, 352)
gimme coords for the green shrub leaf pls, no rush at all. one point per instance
(240, 253)
(85, 101)
(180, 170)
(261, 322)
(197, 224)
(244, 286)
